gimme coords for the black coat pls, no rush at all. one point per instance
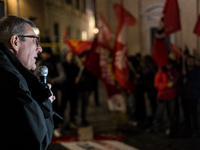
(25, 110)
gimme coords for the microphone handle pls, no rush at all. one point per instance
(43, 79)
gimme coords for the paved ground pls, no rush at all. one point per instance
(101, 120)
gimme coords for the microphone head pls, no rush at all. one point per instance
(42, 71)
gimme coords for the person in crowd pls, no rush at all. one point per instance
(183, 58)
(131, 97)
(140, 111)
(94, 89)
(83, 81)
(56, 76)
(189, 81)
(175, 60)
(150, 68)
(165, 82)
(145, 84)
(26, 103)
(69, 89)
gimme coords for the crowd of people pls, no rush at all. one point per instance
(173, 88)
(71, 83)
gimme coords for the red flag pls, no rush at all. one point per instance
(105, 32)
(96, 63)
(171, 17)
(197, 27)
(78, 46)
(129, 19)
(92, 62)
(159, 52)
(120, 52)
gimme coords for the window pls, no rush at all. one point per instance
(84, 35)
(84, 5)
(69, 31)
(69, 2)
(78, 33)
(153, 32)
(78, 4)
(1, 9)
(91, 5)
(56, 32)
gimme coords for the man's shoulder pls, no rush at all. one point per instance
(9, 74)
(7, 67)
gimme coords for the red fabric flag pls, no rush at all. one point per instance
(96, 63)
(159, 52)
(78, 46)
(120, 52)
(129, 19)
(105, 32)
(171, 17)
(197, 27)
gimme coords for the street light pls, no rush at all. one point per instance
(95, 30)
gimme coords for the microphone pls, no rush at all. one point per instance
(42, 73)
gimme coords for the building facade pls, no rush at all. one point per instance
(55, 18)
(148, 14)
(77, 17)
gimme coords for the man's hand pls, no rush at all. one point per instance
(52, 97)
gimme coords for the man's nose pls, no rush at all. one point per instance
(39, 48)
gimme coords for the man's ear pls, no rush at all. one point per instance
(15, 44)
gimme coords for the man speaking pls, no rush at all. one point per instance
(25, 102)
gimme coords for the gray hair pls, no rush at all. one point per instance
(13, 25)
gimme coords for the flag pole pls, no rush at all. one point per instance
(197, 19)
(139, 24)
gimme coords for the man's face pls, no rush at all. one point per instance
(69, 57)
(28, 51)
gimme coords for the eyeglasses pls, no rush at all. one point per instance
(31, 36)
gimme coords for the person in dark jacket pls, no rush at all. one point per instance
(26, 103)
(189, 81)
(69, 89)
(84, 88)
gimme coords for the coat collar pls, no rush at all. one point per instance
(38, 90)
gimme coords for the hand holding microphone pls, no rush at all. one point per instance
(42, 73)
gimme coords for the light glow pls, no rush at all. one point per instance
(37, 31)
(95, 30)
